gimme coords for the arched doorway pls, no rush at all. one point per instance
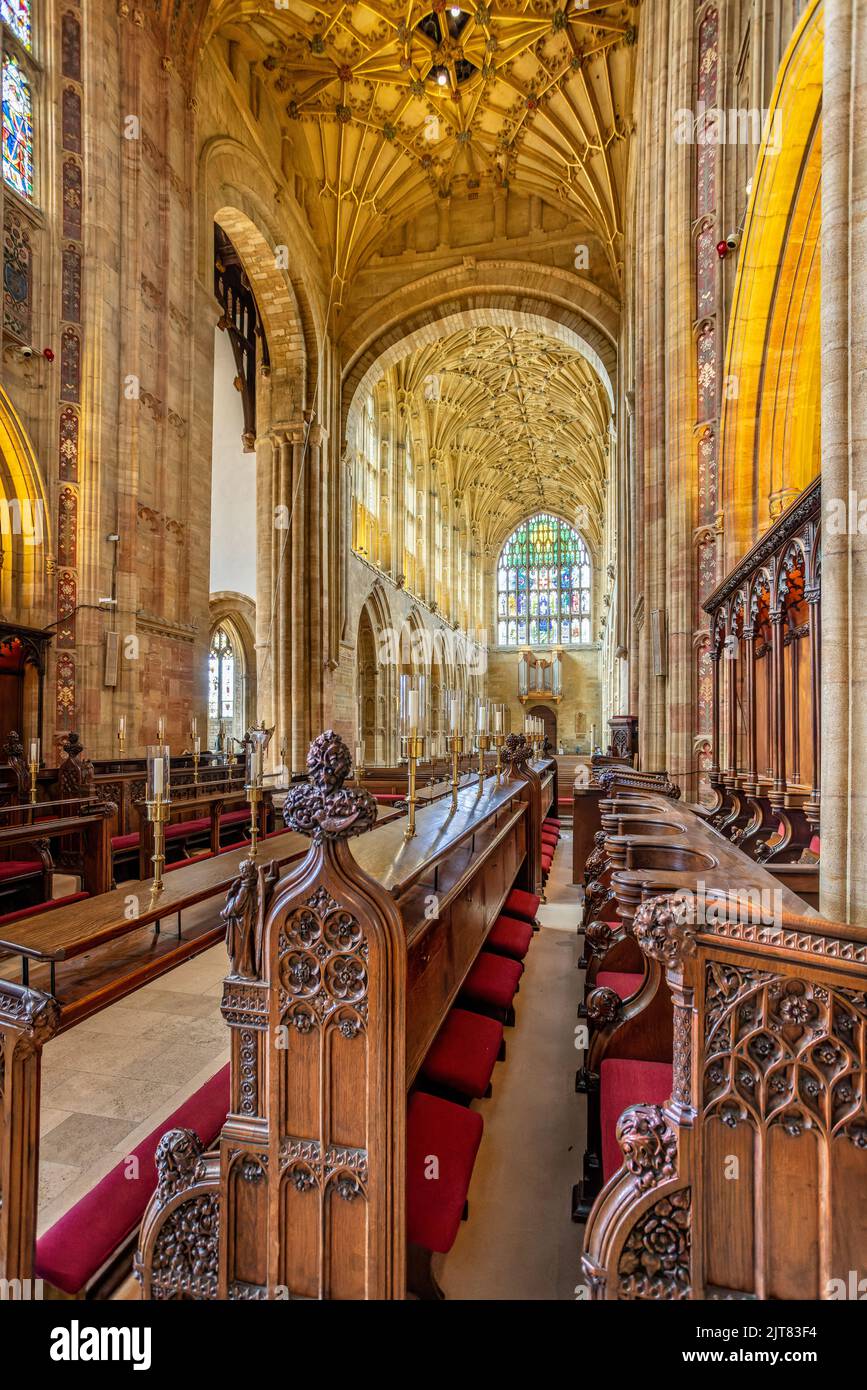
(549, 718)
(368, 692)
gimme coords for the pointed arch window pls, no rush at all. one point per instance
(543, 585)
(17, 128)
(221, 677)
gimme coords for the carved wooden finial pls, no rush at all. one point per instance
(517, 750)
(325, 809)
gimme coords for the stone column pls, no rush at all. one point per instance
(844, 463)
(680, 444)
(650, 225)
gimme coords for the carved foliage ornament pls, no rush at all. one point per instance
(326, 809)
(663, 932)
(649, 1145)
(655, 1263)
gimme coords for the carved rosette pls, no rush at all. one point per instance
(649, 1145)
(655, 1261)
(326, 809)
(663, 932)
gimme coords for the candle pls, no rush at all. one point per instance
(413, 711)
(359, 754)
(258, 765)
(197, 745)
(34, 750)
(483, 718)
(158, 777)
(456, 714)
(498, 721)
(121, 726)
(161, 730)
(194, 727)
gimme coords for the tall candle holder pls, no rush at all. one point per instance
(456, 744)
(121, 736)
(359, 763)
(414, 754)
(34, 769)
(483, 743)
(158, 805)
(197, 753)
(255, 773)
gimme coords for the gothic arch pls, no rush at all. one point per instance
(552, 302)
(25, 538)
(257, 226)
(770, 427)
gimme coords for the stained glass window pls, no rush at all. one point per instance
(221, 677)
(16, 13)
(17, 129)
(543, 585)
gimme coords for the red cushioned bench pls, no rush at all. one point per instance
(509, 936)
(447, 1135)
(623, 1083)
(491, 986)
(90, 1245)
(623, 983)
(461, 1059)
(36, 908)
(523, 905)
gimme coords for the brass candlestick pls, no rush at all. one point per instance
(499, 740)
(121, 745)
(254, 796)
(196, 757)
(34, 772)
(158, 814)
(414, 752)
(456, 743)
(484, 744)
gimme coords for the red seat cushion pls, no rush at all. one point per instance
(442, 1140)
(125, 841)
(187, 827)
(551, 820)
(547, 861)
(816, 845)
(20, 868)
(521, 904)
(510, 937)
(78, 1245)
(43, 907)
(386, 798)
(492, 980)
(622, 1083)
(549, 839)
(235, 817)
(622, 983)
(464, 1053)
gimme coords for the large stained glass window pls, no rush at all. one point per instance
(543, 585)
(16, 13)
(17, 129)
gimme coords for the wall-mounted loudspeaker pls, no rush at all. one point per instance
(112, 644)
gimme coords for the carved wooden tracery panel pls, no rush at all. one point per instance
(782, 1050)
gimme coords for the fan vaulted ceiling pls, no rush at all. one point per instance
(398, 103)
(514, 422)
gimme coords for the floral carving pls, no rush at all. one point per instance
(649, 1145)
(326, 809)
(655, 1262)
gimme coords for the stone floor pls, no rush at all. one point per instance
(112, 1079)
(519, 1241)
